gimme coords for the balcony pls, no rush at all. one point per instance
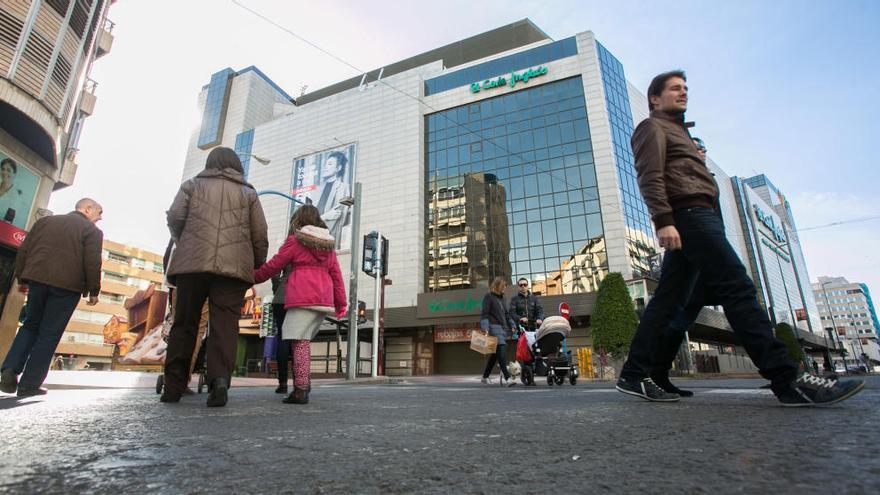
(87, 98)
(68, 170)
(105, 39)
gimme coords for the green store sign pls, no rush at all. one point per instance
(450, 303)
(510, 80)
(770, 223)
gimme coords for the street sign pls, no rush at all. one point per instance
(564, 310)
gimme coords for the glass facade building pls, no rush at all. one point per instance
(639, 233)
(533, 147)
(214, 113)
(244, 143)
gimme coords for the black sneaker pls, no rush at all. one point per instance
(8, 381)
(809, 390)
(646, 389)
(282, 389)
(663, 382)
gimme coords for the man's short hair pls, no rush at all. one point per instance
(521, 279)
(659, 82)
(85, 203)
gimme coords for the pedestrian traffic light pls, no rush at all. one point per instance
(362, 312)
(369, 255)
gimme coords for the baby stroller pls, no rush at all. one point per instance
(548, 355)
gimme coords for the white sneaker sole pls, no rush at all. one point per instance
(643, 396)
(835, 401)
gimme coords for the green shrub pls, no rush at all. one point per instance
(614, 318)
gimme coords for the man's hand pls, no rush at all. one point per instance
(538, 322)
(92, 300)
(669, 238)
(524, 320)
(23, 288)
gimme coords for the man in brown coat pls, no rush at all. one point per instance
(217, 224)
(682, 197)
(59, 262)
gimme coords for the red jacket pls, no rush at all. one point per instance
(315, 281)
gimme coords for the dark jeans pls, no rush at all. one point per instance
(705, 252)
(48, 311)
(225, 297)
(500, 357)
(674, 335)
(282, 348)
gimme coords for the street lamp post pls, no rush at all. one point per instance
(355, 203)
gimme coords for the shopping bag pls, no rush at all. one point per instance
(523, 354)
(483, 343)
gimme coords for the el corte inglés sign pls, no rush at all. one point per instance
(510, 80)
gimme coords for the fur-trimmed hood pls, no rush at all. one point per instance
(317, 238)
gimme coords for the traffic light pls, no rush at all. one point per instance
(369, 255)
(362, 312)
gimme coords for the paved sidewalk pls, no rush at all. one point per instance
(142, 379)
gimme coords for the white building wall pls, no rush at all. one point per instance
(610, 199)
(387, 127)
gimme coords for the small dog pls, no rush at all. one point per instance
(515, 370)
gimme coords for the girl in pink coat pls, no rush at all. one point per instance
(314, 289)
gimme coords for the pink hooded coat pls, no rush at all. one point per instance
(315, 281)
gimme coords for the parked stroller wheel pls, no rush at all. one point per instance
(201, 383)
(559, 380)
(160, 383)
(572, 379)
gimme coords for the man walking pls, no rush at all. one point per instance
(681, 196)
(525, 309)
(59, 262)
(674, 335)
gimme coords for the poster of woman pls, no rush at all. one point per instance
(18, 186)
(322, 179)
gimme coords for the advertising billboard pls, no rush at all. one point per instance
(18, 186)
(322, 179)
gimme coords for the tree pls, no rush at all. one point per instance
(785, 333)
(614, 318)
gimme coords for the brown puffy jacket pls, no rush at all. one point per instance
(672, 174)
(217, 222)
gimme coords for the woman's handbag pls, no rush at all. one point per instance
(483, 342)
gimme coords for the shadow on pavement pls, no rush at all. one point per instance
(12, 402)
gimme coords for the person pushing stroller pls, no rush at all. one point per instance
(524, 309)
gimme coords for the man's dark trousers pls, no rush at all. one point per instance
(706, 252)
(674, 335)
(225, 297)
(48, 311)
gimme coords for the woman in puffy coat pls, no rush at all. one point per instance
(314, 289)
(217, 224)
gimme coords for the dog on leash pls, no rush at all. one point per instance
(515, 370)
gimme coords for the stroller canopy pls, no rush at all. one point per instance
(554, 324)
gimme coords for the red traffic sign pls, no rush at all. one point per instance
(564, 310)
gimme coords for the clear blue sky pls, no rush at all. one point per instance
(789, 89)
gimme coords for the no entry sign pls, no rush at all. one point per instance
(564, 310)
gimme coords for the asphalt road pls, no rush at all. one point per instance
(440, 436)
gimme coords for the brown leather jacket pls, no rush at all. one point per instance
(672, 174)
(217, 222)
(63, 251)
